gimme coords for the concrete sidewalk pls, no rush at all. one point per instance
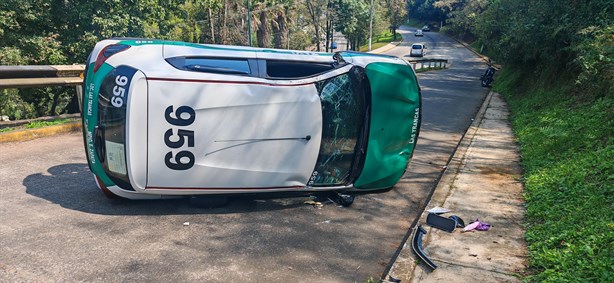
(482, 181)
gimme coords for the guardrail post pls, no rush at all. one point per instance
(428, 63)
(79, 93)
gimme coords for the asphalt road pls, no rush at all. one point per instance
(55, 225)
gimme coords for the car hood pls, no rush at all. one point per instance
(395, 123)
(245, 135)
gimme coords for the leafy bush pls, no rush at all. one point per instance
(596, 58)
(13, 106)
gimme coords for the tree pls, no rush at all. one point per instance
(353, 21)
(424, 10)
(315, 10)
(397, 15)
(280, 23)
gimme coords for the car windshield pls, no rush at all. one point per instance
(111, 129)
(345, 117)
(416, 47)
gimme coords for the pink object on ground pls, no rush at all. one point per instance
(477, 225)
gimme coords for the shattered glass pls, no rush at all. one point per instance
(343, 112)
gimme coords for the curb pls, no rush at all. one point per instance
(26, 135)
(466, 45)
(482, 56)
(405, 264)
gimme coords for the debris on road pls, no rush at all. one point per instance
(477, 225)
(438, 210)
(315, 204)
(416, 246)
(440, 222)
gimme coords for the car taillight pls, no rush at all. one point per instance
(107, 52)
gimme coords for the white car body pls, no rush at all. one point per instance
(246, 134)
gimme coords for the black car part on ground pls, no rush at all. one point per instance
(440, 222)
(416, 246)
(459, 221)
(446, 224)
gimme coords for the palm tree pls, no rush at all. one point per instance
(280, 23)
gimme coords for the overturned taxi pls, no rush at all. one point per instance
(164, 118)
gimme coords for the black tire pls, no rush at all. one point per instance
(345, 200)
(485, 82)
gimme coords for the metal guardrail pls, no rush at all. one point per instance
(428, 63)
(43, 75)
(40, 76)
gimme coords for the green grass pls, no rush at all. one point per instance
(38, 124)
(4, 130)
(379, 41)
(566, 139)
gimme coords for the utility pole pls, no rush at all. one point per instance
(249, 24)
(370, 24)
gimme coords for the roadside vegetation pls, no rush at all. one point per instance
(50, 32)
(40, 124)
(558, 69)
(567, 148)
(381, 40)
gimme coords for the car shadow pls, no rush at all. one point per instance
(72, 186)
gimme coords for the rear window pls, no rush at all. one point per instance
(110, 132)
(290, 69)
(211, 65)
(415, 46)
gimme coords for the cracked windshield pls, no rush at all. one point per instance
(343, 114)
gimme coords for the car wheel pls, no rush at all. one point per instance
(345, 200)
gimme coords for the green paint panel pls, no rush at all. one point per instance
(395, 123)
(90, 119)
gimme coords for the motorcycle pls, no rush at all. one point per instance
(488, 76)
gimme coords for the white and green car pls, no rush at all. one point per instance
(167, 118)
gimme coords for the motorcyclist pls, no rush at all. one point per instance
(488, 76)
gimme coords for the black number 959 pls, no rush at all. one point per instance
(183, 116)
